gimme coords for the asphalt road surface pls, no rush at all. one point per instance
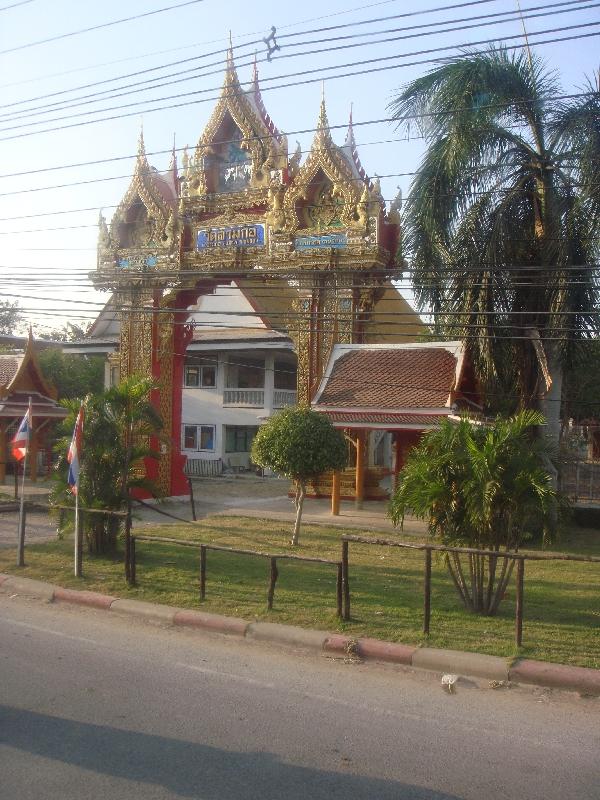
(94, 706)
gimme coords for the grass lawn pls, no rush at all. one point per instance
(562, 599)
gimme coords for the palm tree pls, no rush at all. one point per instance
(503, 217)
(481, 487)
(119, 425)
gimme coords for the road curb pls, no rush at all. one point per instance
(83, 598)
(211, 622)
(556, 676)
(28, 587)
(275, 633)
(386, 651)
(460, 663)
(152, 612)
(584, 680)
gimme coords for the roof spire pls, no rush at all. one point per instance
(141, 145)
(323, 122)
(231, 78)
(173, 169)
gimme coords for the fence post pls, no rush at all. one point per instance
(128, 542)
(79, 535)
(21, 542)
(336, 479)
(427, 592)
(338, 589)
(132, 575)
(345, 581)
(272, 581)
(202, 571)
(519, 602)
(192, 501)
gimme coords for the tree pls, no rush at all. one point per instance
(482, 487)
(300, 444)
(581, 398)
(11, 316)
(73, 375)
(119, 423)
(68, 333)
(503, 217)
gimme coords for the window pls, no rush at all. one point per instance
(238, 438)
(200, 376)
(190, 437)
(198, 437)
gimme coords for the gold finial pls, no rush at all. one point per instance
(323, 134)
(141, 145)
(230, 73)
(323, 123)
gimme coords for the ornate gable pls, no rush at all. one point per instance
(142, 217)
(329, 191)
(240, 148)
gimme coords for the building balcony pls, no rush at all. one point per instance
(255, 398)
(244, 398)
(284, 397)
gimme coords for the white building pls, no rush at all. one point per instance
(238, 371)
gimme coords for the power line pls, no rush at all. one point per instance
(206, 223)
(15, 5)
(98, 27)
(580, 5)
(306, 81)
(199, 44)
(255, 138)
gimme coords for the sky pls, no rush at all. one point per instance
(50, 125)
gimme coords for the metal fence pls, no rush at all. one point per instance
(203, 467)
(580, 481)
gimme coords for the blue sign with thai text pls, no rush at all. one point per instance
(235, 236)
(335, 240)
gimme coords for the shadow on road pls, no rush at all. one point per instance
(188, 769)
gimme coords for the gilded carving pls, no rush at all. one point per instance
(164, 356)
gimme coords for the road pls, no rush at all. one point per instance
(96, 706)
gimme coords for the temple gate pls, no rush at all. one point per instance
(242, 208)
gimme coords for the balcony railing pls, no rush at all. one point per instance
(284, 397)
(248, 398)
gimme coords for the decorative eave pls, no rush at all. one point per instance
(256, 99)
(350, 150)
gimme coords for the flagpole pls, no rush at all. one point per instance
(21, 542)
(73, 479)
(76, 538)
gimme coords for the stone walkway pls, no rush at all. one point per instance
(246, 496)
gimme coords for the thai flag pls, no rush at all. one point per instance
(20, 442)
(74, 453)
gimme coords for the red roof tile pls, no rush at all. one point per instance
(9, 366)
(394, 379)
(382, 418)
